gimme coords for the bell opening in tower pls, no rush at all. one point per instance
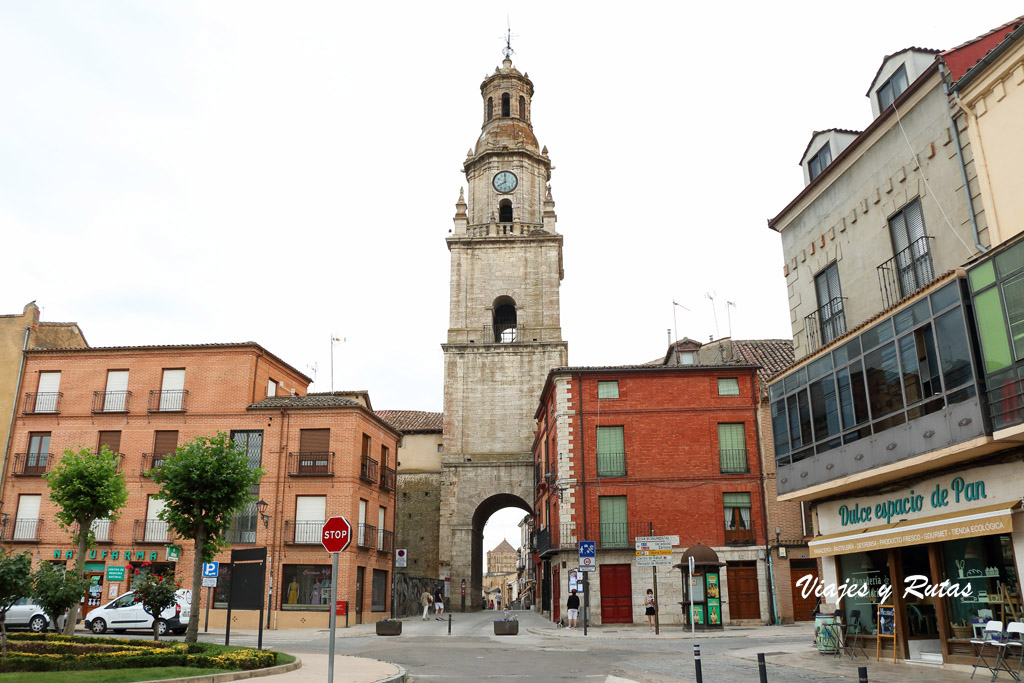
(490, 108)
(522, 107)
(506, 105)
(505, 211)
(504, 320)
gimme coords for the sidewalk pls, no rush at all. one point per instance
(346, 670)
(671, 631)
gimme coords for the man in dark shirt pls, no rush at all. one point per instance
(572, 605)
(439, 604)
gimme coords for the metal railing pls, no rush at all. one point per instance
(733, 460)
(368, 470)
(22, 530)
(110, 401)
(152, 461)
(366, 535)
(501, 229)
(311, 464)
(825, 324)
(46, 402)
(31, 464)
(161, 401)
(906, 272)
(611, 464)
(102, 530)
(608, 535)
(304, 531)
(385, 540)
(388, 478)
(739, 536)
(151, 531)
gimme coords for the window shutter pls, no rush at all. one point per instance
(736, 500)
(111, 440)
(174, 380)
(362, 512)
(165, 442)
(314, 440)
(731, 437)
(156, 506)
(610, 440)
(28, 507)
(612, 509)
(49, 382)
(117, 380)
(914, 221)
(310, 508)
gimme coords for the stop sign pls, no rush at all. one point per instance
(336, 534)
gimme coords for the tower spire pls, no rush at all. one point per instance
(507, 50)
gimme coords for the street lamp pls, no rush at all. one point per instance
(261, 507)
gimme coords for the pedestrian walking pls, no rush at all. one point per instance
(426, 599)
(497, 600)
(439, 604)
(572, 606)
(649, 604)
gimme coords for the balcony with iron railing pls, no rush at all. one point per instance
(20, 530)
(906, 272)
(368, 470)
(102, 530)
(366, 536)
(611, 464)
(153, 461)
(31, 464)
(311, 464)
(42, 403)
(825, 324)
(733, 461)
(303, 531)
(503, 229)
(151, 531)
(111, 401)
(385, 541)
(164, 401)
(388, 478)
(610, 536)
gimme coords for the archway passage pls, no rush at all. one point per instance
(483, 512)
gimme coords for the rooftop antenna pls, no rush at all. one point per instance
(728, 305)
(334, 340)
(313, 367)
(507, 50)
(675, 328)
(710, 296)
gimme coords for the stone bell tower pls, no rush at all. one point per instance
(504, 331)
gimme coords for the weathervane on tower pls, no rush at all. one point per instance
(507, 50)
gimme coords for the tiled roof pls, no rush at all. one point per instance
(314, 401)
(504, 547)
(653, 366)
(412, 421)
(963, 58)
(773, 355)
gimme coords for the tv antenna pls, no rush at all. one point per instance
(710, 296)
(728, 305)
(675, 328)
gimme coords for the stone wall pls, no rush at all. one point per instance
(418, 520)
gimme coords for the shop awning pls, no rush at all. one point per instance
(981, 521)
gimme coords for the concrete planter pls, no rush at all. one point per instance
(389, 628)
(506, 628)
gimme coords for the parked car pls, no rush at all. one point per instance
(124, 613)
(27, 614)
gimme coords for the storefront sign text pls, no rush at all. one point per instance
(886, 510)
(126, 555)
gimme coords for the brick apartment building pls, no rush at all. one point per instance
(323, 454)
(629, 451)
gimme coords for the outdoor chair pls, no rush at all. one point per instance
(851, 636)
(1007, 650)
(993, 634)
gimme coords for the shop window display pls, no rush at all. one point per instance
(987, 565)
(306, 587)
(869, 569)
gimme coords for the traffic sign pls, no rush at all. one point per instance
(211, 570)
(401, 557)
(336, 534)
(209, 582)
(640, 553)
(674, 540)
(653, 561)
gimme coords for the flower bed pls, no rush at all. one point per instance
(389, 627)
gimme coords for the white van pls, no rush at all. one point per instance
(124, 613)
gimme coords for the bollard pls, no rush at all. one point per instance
(761, 670)
(449, 623)
(696, 663)
(862, 674)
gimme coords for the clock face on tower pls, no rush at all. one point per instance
(505, 181)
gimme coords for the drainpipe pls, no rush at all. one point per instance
(764, 503)
(960, 159)
(17, 394)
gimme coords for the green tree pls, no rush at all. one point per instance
(156, 593)
(57, 590)
(205, 483)
(15, 584)
(86, 486)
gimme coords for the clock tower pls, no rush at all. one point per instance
(504, 332)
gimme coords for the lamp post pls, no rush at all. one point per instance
(261, 507)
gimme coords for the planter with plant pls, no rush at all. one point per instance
(389, 627)
(508, 625)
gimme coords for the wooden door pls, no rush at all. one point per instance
(360, 576)
(616, 594)
(803, 608)
(744, 596)
(94, 594)
(556, 603)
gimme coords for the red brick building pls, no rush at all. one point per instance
(655, 450)
(323, 455)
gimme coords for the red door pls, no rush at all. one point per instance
(803, 608)
(744, 596)
(616, 594)
(556, 604)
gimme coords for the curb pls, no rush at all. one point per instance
(401, 677)
(240, 675)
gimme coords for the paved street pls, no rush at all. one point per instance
(608, 654)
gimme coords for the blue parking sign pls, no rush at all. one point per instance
(211, 569)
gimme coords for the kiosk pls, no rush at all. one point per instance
(706, 583)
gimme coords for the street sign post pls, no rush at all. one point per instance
(588, 556)
(336, 534)
(211, 570)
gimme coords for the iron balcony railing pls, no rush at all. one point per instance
(102, 530)
(542, 540)
(162, 401)
(906, 272)
(110, 401)
(538, 474)
(739, 536)
(385, 540)
(825, 324)
(46, 402)
(151, 531)
(368, 470)
(311, 464)
(31, 464)
(611, 464)
(366, 536)
(152, 461)
(733, 460)
(244, 526)
(303, 532)
(21, 530)
(608, 535)
(388, 478)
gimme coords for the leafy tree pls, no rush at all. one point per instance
(57, 590)
(156, 593)
(15, 584)
(205, 483)
(86, 486)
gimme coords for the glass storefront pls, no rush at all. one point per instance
(864, 573)
(306, 587)
(986, 564)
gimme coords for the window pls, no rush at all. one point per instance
(728, 386)
(506, 105)
(522, 107)
(382, 513)
(101, 529)
(305, 587)
(384, 452)
(505, 320)
(806, 519)
(687, 357)
(611, 452)
(366, 445)
(819, 161)
(165, 442)
(314, 452)
(912, 252)
(379, 591)
(738, 529)
(613, 523)
(243, 526)
(361, 532)
(172, 390)
(47, 393)
(110, 440)
(732, 448)
(156, 528)
(490, 108)
(892, 88)
(440, 448)
(271, 388)
(831, 316)
(115, 398)
(505, 211)
(609, 389)
(26, 522)
(310, 514)
(38, 453)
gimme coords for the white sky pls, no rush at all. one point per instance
(181, 172)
